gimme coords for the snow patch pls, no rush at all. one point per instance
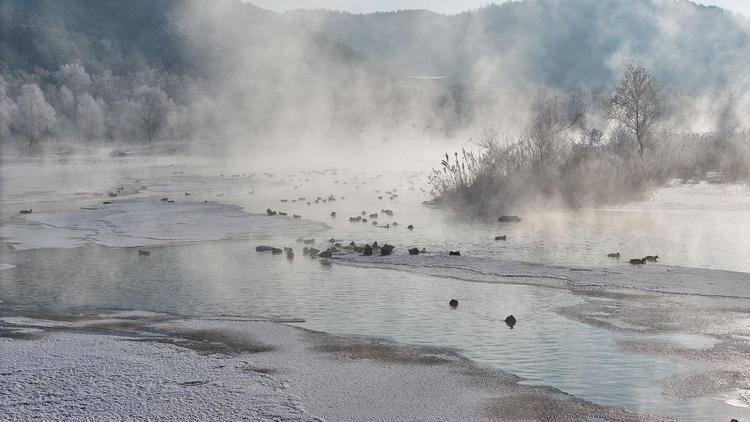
(82, 377)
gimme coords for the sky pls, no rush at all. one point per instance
(440, 6)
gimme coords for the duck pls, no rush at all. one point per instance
(509, 219)
(614, 255)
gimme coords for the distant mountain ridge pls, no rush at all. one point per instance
(556, 43)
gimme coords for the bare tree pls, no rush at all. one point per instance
(34, 115)
(550, 117)
(153, 106)
(637, 103)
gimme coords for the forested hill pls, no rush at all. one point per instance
(128, 35)
(558, 43)
(119, 35)
(224, 69)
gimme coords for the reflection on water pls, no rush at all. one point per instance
(231, 278)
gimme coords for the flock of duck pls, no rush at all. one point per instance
(636, 261)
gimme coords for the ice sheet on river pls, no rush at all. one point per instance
(650, 277)
(142, 223)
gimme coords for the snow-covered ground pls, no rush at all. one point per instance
(148, 366)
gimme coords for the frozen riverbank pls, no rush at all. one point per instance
(145, 365)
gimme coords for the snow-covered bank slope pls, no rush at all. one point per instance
(146, 223)
(649, 277)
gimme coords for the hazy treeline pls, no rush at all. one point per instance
(225, 75)
(581, 149)
(70, 103)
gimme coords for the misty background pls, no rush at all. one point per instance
(228, 77)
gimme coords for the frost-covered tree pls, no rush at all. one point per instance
(75, 77)
(34, 115)
(153, 108)
(637, 103)
(66, 102)
(7, 111)
(90, 117)
(109, 87)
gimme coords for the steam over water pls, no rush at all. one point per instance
(700, 226)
